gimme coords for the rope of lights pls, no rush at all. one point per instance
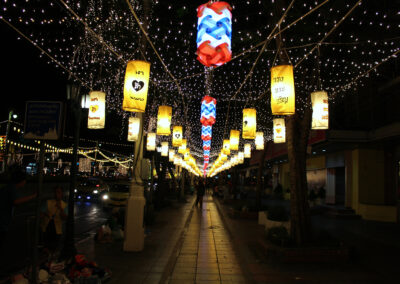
(159, 57)
(256, 61)
(43, 51)
(329, 33)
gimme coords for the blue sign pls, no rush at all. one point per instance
(43, 120)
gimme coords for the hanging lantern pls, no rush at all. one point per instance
(214, 33)
(247, 150)
(164, 149)
(249, 123)
(279, 130)
(282, 90)
(182, 148)
(226, 148)
(171, 155)
(177, 136)
(133, 128)
(234, 140)
(320, 106)
(241, 157)
(208, 111)
(186, 155)
(136, 86)
(97, 110)
(164, 120)
(259, 141)
(151, 142)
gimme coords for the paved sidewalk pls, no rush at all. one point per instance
(147, 266)
(206, 254)
(374, 262)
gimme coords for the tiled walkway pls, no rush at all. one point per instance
(206, 254)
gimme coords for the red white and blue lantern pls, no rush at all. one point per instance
(214, 33)
(207, 119)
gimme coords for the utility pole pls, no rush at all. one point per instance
(73, 94)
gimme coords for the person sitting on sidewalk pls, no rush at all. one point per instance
(54, 213)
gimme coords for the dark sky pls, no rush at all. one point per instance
(25, 76)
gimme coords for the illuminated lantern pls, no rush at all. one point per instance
(249, 123)
(320, 106)
(247, 150)
(234, 140)
(151, 142)
(259, 141)
(164, 120)
(136, 86)
(241, 157)
(164, 149)
(279, 130)
(214, 33)
(186, 155)
(182, 148)
(171, 155)
(226, 147)
(224, 157)
(97, 110)
(208, 111)
(133, 128)
(177, 136)
(282, 90)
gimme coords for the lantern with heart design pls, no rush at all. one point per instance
(133, 128)
(214, 33)
(177, 136)
(249, 123)
(279, 130)
(136, 86)
(97, 110)
(282, 90)
(164, 120)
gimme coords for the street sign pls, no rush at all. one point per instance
(43, 120)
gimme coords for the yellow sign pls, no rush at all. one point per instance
(136, 86)
(282, 90)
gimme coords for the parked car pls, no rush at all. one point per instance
(117, 195)
(91, 189)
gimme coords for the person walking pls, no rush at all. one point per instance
(8, 200)
(54, 213)
(200, 189)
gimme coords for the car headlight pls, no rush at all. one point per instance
(105, 197)
(75, 190)
(95, 191)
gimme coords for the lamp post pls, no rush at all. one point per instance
(11, 115)
(73, 95)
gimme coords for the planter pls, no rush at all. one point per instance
(262, 217)
(269, 224)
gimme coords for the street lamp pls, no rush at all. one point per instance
(11, 115)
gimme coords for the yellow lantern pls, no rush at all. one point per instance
(226, 148)
(151, 142)
(259, 141)
(249, 123)
(164, 120)
(182, 148)
(320, 106)
(133, 128)
(186, 155)
(164, 149)
(282, 90)
(234, 140)
(223, 157)
(279, 130)
(136, 86)
(171, 155)
(97, 110)
(241, 157)
(177, 136)
(247, 150)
